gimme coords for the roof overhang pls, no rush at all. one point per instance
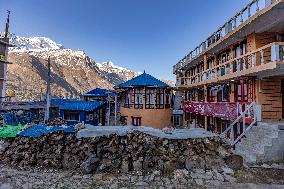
(269, 19)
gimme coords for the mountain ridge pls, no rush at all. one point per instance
(73, 71)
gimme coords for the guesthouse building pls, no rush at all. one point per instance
(235, 77)
(145, 100)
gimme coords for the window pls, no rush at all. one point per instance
(136, 121)
(210, 95)
(168, 99)
(224, 57)
(128, 99)
(138, 96)
(201, 97)
(150, 99)
(71, 115)
(223, 95)
(186, 95)
(241, 91)
(210, 63)
(177, 120)
(193, 95)
(160, 99)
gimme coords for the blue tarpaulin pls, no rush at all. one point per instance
(41, 129)
(10, 119)
(13, 119)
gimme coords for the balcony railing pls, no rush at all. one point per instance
(245, 14)
(273, 52)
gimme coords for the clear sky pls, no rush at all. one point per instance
(149, 35)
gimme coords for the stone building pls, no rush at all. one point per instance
(145, 100)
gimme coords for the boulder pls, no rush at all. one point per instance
(90, 165)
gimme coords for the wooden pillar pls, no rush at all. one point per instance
(206, 100)
(205, 60)
(215, 60)
(232, 93)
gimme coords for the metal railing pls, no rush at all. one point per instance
(242, 16)
(239, 128)
(273, 52)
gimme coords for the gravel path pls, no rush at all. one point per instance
(11, 178)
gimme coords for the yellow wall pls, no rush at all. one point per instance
(156, 118)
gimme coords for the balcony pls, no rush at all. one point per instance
(252, 15)
(263, 62)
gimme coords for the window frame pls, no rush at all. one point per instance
(158, 103)
(128, 99)
(148, 104)
(138, 92)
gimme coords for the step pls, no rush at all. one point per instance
(247, 156)
(273, 152)
(262, 132)
(255, 149)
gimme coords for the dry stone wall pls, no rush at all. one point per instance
(134, 151)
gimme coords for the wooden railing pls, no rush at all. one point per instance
(273, 52)
(240, 18)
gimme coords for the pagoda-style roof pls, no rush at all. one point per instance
(143, 80)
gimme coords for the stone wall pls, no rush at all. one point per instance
(135, 151)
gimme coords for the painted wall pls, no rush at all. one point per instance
(156, 118)
(269, 96)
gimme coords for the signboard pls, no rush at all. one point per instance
(2, 58)
(223, 110)
(178, 112)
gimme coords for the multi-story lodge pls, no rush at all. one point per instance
(236, 76)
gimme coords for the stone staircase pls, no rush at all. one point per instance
(262, 143)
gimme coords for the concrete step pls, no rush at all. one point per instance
(262, 143)
(247, 155)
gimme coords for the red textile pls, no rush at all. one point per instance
(224, 110)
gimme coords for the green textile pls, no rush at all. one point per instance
(10, 131)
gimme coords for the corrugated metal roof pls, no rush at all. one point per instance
(79, 105)
(98, 92)
(143, 80)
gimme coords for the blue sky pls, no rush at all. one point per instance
(149, 35)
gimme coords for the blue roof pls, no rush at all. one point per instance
(143, 80)
(98, 92)
(73, 104)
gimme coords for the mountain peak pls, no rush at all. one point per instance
(33, 44)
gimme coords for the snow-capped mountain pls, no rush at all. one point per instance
(73, 71)
(33, 43)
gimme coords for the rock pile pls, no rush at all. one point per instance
(134, 151)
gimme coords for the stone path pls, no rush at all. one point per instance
(17, 178)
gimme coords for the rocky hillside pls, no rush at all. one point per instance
(73, 71)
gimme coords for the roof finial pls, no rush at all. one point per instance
(144, 72)
(7, 24)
